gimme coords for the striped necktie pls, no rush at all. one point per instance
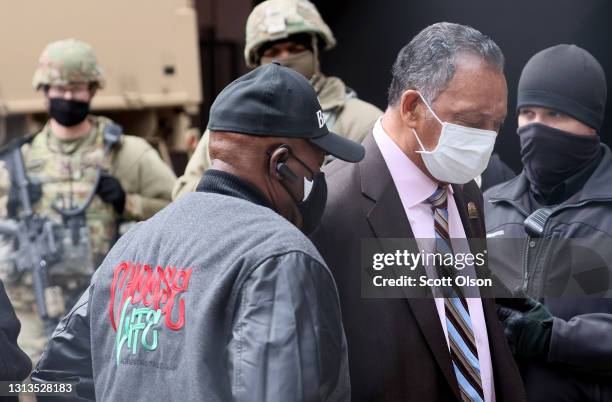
(458, 322)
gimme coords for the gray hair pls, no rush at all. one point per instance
(427, 63)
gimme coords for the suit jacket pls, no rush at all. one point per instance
(397, 348)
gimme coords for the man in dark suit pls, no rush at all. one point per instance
(447, 101)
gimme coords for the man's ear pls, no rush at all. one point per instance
(277, 157)
(409, 109)
(93, 89)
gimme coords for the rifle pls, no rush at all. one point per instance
(43, 243)
(36, 236)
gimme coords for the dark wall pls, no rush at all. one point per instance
(221, 26)
(370, 34)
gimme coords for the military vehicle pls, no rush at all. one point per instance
(148, 51)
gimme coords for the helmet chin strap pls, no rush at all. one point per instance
(317, 64)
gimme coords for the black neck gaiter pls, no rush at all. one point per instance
(551, 156)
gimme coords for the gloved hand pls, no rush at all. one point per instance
(14, 201)
(527, 326)
(110, 191)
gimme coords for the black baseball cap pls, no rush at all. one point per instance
(276, 101)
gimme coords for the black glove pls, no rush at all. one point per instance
(110, 191)
(527, 326)
(14, 200)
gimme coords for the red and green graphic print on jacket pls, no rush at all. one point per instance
(147, 313)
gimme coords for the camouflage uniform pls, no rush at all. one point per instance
(5, 244)
(67, 171)
(272, 20)
(5, 186)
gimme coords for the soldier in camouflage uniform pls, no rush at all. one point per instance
(5, 185)
(67, 157)
(5, 245)
(293, 33)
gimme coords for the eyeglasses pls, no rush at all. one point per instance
(77, 91)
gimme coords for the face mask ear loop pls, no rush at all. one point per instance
(304, 165)
(430, 109)
(315, 52)
(423, 150)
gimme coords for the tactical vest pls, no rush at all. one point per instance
(67, 172)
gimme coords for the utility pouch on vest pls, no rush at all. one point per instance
(77, 257)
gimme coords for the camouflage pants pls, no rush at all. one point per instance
(33, 336)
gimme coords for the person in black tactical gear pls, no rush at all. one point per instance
(220, 296)
(564, 345)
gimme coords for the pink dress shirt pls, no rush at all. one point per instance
(414, 187)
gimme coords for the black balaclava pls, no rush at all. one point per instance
(552, 156)
(570, 80)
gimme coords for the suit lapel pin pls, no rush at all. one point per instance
(472, 210)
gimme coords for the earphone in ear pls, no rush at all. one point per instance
(285, 171)
(281, 167)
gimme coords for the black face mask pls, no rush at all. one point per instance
(551, 156)
(68, 112)
(315, 197)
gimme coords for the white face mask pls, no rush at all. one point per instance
(462, 152)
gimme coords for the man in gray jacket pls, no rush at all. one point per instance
(562, 199)
(220, 296)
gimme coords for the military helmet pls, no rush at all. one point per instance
(66, 62)
(277, 19)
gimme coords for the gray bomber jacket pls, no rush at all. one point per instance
(215, 298)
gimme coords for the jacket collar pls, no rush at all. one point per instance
(597, 187)
(386, 216)
(68, 147)
(331, 91)
(217, 181)
(512, 190)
